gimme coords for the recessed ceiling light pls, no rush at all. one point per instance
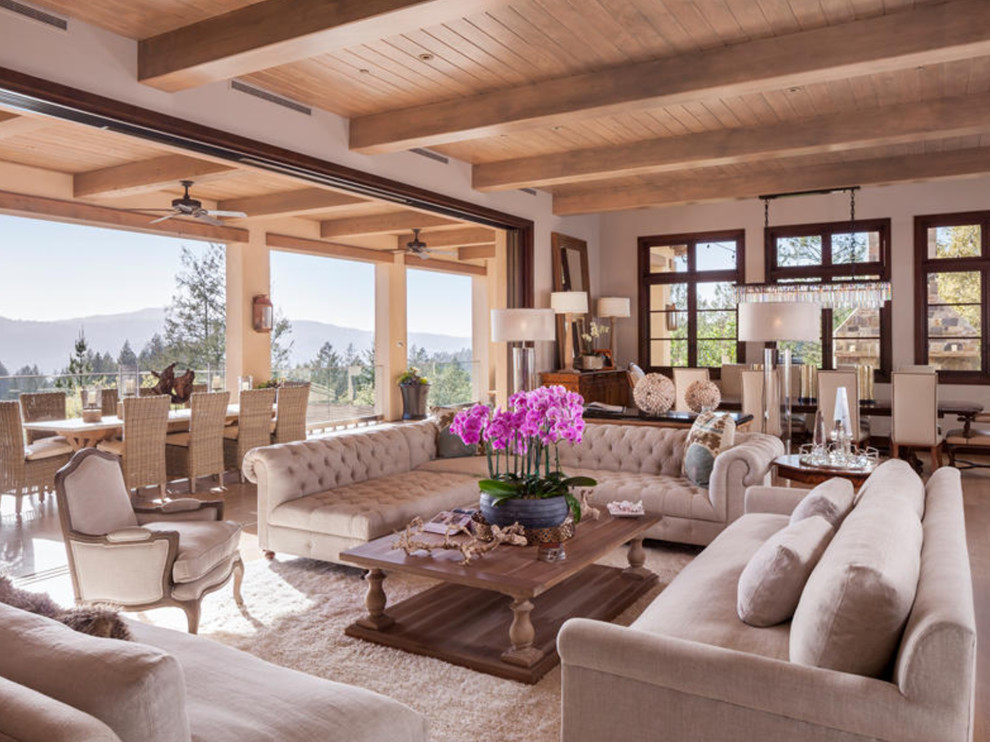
(364, 71)
(426, 56)
(794, 90)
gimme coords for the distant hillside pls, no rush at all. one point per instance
(48, 344)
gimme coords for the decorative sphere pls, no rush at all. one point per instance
(654, 394)
(702, 394)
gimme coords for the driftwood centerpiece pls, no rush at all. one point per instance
(179, 389)
(411, 540)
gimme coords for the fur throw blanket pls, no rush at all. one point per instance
(93, 620)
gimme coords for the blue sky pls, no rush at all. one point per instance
(58, 271)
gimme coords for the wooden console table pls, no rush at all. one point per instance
(608, 387)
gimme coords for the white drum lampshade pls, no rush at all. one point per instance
(522, 325)
(613, 306)
(569, 303)
(766, 322)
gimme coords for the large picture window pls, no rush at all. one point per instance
(687, 309)
(953, 258)
(837, 252)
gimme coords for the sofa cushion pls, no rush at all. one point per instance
(674, 497)
(367, 510)
(130, 687)
(857, 600)
(700, 604)
(26, 714)
(770, 586)
(627, 448)
(203, 544)
(710, 434)
(235, 697)
(895, 479)
(832, 500)
(472, 466)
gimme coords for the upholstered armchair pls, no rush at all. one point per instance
(141, 557)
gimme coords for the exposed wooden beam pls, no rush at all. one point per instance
(144, 175)
(20, 204)
(953, 117)
(446, 266)
(927, 35)
(12, 124)
(393, 221)
(276, 32)
(289, 203)
(330, 249)
(455, 237)
(798, 177)
(476, 252)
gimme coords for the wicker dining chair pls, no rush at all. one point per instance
(253, 428)
(25, 470)
(39, 407)
(290, 413)
(109, 402)
(199, 451)
(142, 449)
(197, 389)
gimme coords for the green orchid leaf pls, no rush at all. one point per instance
(575, 507)
(579, 482)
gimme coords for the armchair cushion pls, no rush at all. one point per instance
(114, 446)
(98, 501)
(832, 500)
(177, 439)
(46, 448)
(202, 545)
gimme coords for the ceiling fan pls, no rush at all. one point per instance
(187, 206)
(417, 247)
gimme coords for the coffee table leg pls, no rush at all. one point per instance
(521, 634)
(637, 558)
(376, 601)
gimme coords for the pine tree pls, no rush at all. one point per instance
(154, 355)
(329, 373)
(281, 343)
(77, 373)
(195, 323)
(127, 356)
(4, 381)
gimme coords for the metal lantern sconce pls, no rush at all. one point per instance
(262, 313)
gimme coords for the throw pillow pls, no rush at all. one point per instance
(770, 585)
(711, 434)
(832, 500)
(449, 445)
(92, 620)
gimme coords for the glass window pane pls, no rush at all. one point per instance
(852, 323)
(720, 324)
(668, 353)
(716, 295)
(954, 354)
(954, 320)
(806, 352)
(668, 259)
(794, 251)
(715, 256)
(954, 242)
(865, 352)
(668, 296)
(668, 324)
(856, 247)
(957, 287)
(713, 353)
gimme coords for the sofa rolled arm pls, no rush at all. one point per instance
(729, 679)
(744, 465)
(779, 500)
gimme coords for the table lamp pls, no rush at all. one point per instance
(569, 303)
(769, 322)
(522, 326)
(612, 308)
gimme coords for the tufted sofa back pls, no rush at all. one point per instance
(630, 448)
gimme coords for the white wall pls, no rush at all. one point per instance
(101, 62)
(900, 203)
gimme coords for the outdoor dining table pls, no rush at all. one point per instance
(81, 434)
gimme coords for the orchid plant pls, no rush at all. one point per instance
(521, 443)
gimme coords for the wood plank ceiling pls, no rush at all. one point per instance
(611, 104)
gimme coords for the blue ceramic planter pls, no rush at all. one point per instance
(529, 513)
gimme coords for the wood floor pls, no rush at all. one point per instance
(33, 550)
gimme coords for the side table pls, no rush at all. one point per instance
(790, 467)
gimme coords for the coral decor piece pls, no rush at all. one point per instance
(470, 548)
(654, 394)
(702, 395)
(179, 389)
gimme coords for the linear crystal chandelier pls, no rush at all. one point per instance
(851, 294)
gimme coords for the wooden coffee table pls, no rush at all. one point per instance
(483, 615)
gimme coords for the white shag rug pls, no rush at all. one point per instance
(295, 614)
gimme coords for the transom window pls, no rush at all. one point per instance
(953, 261)
(837, 252)
(687, 308)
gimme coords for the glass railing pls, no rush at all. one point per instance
(451, 382)
(339, 395)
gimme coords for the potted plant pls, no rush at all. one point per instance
(415, 389)
(592, 358)
(525, 484)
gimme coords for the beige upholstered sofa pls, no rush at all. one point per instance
(689, 669)
(57, 685)
(319, 497)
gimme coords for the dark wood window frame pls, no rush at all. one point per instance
(692, 277)
(925, 265)
(828, 271)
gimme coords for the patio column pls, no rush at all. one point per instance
(248, 352)
(391, 350)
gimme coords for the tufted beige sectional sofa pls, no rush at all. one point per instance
(319, 497)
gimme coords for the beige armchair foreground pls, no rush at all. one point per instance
(142, 557)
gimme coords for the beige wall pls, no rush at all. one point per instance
(900, 203)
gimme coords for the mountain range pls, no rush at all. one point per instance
(49, 344)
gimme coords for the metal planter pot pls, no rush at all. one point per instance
(528, 512)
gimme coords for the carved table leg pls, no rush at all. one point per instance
(521, 634)
(637, 558)
(376, 601)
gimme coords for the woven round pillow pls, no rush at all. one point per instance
(702, 394)
(654, 394)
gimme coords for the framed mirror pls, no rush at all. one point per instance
(570, 273)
